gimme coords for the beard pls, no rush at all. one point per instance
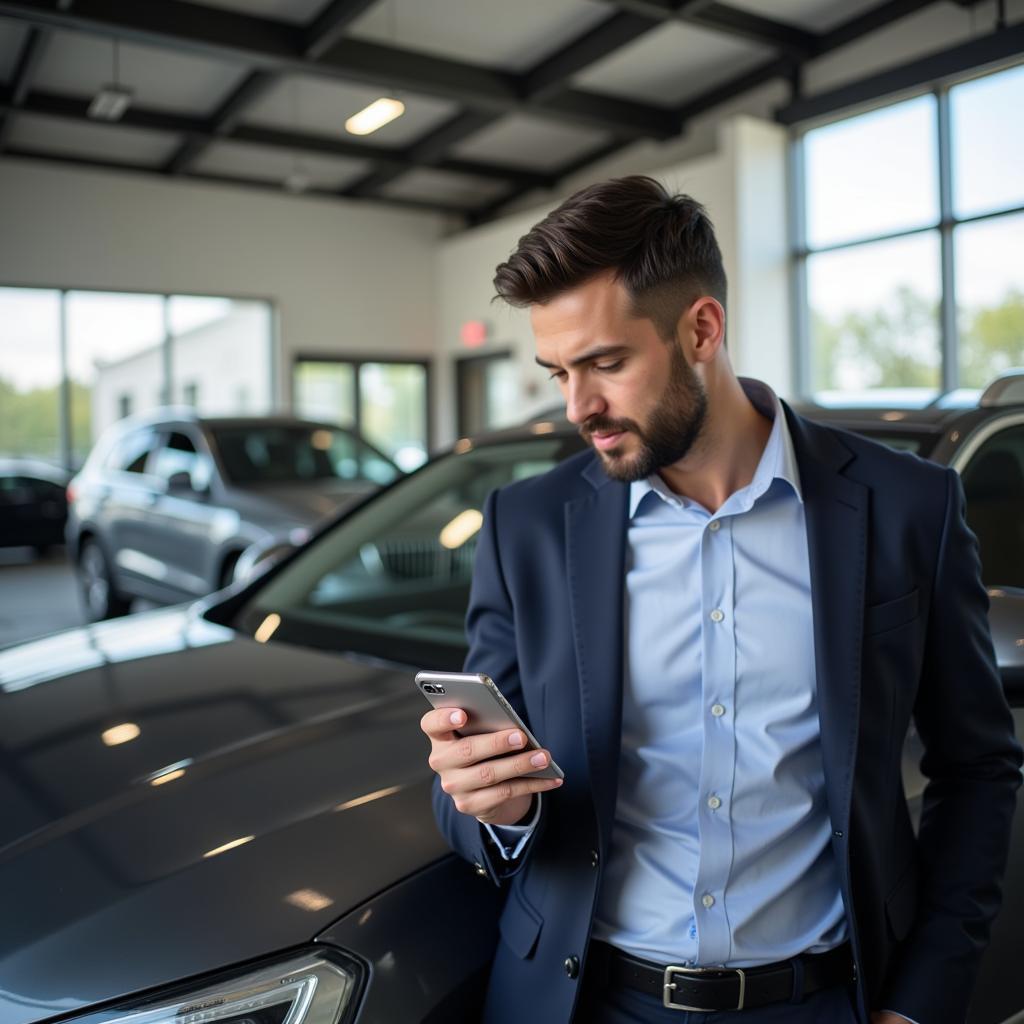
(669, 433)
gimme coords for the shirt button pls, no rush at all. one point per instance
(708, 900)
(715, 525)
(714, 803)
(717, 615)
(717, 710)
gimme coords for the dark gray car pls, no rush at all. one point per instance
(221, 813)
(167, 502)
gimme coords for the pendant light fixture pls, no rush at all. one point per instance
(113, 99)
(298, 179)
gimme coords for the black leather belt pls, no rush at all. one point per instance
(710, 989)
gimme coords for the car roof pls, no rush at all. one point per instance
(18, 466)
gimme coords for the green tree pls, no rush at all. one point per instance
(992, 340)
(893, 346)
(30, 420)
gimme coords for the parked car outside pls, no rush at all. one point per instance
(221, 812)
(167, 501)
(33, 505)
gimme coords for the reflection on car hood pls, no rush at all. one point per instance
(304, 502)
(267, 791)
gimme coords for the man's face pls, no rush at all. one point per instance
(633, 395)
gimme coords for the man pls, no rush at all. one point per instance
(721, 623)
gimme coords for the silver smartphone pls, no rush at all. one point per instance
(486, 709)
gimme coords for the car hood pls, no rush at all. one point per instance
(305, 503)
(267, 791)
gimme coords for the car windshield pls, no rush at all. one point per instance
(392, 579)
(284, 453)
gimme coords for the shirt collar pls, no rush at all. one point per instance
(778, 460)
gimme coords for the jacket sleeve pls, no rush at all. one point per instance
(972, 762)
(490, 628)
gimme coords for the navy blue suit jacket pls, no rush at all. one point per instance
(901, 633)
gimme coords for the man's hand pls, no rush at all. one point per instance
(887, 1017)
(484, 774)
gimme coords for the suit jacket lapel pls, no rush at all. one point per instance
(836, 510)
(595, 543)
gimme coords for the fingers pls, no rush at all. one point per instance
(483, 774)
(441, 722)
(463, 751)
(485, 803)
(486, 774)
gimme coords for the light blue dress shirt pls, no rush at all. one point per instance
(721, 851)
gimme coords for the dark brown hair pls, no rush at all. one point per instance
(661, 246)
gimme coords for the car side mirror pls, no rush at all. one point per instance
(178, 482)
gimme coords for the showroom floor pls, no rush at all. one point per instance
(37, 595)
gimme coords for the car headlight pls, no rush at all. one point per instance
(306, 989)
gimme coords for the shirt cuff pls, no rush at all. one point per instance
(510, 839)
(902, 1016)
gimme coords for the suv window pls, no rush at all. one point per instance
(994, 485)
(392, 580)
(281, 453)
(129, 453)
(178, 455)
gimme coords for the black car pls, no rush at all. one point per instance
(168, 501)
(221, 812)
(33, 504)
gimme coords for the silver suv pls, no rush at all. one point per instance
(167, 501)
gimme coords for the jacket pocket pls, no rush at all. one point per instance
(520, 924)
(901, 904)
(889, 614)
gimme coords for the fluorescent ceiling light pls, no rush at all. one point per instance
(376, 115)
(110, 103)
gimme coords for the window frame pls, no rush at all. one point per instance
(166, 345)
(357, 361)
(948, 222)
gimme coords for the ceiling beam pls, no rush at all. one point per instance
(1001, 45)
(870, 21)
(428, 206)
(266, 44)
(319, 34)
(612, 34)
(330, 25)
(224, 120)
(544, 79)
(732, 21)
(74, 108)
(21, 81)
(778, 67)
(428, 151)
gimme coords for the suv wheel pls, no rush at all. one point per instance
(101, 600)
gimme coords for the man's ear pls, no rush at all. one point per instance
(701, 329)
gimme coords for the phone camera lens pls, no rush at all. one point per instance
(439, 688)
(429, 688)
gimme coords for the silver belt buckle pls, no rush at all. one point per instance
(670, 986)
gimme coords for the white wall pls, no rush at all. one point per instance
(344, 277)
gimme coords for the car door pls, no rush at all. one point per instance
(185, 526)
(993, 479)
(124, 495)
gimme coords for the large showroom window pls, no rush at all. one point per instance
(910, 245)
(73, 362)
(385, 400)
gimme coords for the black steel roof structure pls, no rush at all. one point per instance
(264, 51)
